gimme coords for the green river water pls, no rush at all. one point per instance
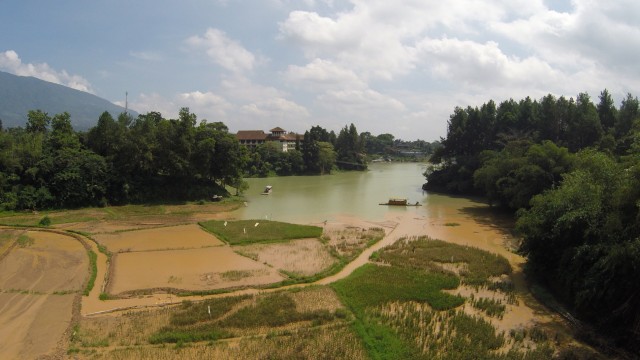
(309, 199)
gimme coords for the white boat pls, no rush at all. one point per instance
(267, 190)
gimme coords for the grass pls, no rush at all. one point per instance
(371, 286)
(243, 232)
(25, 240)
(491, 307)
(274, 310)
(215, 319)
(401, 311)
(113, 213)
(236, 275)
(423, 252)
(93, 271)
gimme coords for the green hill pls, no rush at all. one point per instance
(19, 94)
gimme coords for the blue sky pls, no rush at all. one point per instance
(396, 67)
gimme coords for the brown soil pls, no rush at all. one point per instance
(159, 238)
(52, 263)
(32, 325)
(39, 282)
(192, 269)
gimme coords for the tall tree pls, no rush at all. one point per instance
(607, 111)
(584, 129)
(37, 121)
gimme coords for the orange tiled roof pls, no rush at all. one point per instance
(251, 135)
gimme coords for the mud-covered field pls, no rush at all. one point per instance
(40, 277)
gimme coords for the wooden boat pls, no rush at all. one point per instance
(267, 190)
(400, 202)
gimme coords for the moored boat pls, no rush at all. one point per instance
(400, 202)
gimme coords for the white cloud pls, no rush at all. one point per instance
(274, 111)
(484, 65)
(145, 103)
(603, 33)
(11, 62)
(354, 41)
(206, 105)
(224, 51)
(368, 109)
(323, 74)
(241, 89)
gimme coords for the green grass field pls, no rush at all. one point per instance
(244, 232)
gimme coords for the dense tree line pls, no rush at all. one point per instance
(570, 169)
(322, 151)
(49, 165)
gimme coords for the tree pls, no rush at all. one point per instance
(629, 112)
(62, 134)
(582, 239)
(37, 121)
(349, 148)
(311, 153)
(326, 157)
(549, 119)
(584, 129)
(607, 111)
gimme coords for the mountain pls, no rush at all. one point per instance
(19, 94)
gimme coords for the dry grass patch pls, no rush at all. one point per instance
(128, 329)
(347, 243)
(316, 298)
(317, 343)
(304, 257)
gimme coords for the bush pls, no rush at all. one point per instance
(45, 221)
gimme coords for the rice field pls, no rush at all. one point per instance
(304, 323)
(406, 306)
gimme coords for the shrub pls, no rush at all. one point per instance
(45, 221)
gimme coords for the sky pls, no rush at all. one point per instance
(398, 67)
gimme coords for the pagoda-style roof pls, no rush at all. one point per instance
(277, 129)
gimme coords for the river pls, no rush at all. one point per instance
(355, 194)
(319, 198)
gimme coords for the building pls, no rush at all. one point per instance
(253, 138)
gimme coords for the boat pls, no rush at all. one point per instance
(400, 202)
(267, 190)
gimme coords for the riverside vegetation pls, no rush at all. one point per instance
(570, 171)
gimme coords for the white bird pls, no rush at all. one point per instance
(225, 223)
(256, 224)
